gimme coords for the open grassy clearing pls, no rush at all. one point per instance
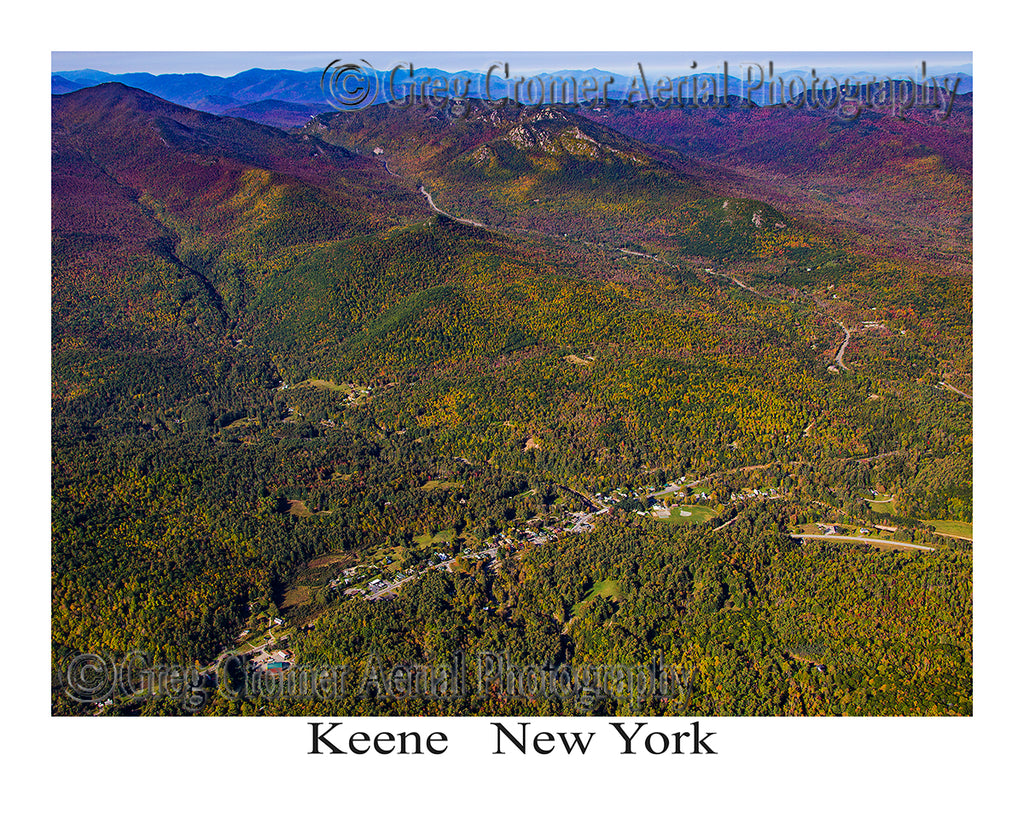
(299, 509)
(242, 422)
(602, 588)
(327, 560)
(953, 528)
(296, 596)
(605, 588)
(441, 485)
(689, 515)
(426, 541)
(325, 385)
(382, 554)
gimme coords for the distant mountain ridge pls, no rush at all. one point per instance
(296, 93)
(285, 98)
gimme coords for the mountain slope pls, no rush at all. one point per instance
(160, 211)
(551, 171)
(886, 184)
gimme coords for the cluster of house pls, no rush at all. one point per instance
(832, 529)
(513, 539)
(273, 662)
(529, 536)
(573, 523)
(645, 493)
(654, 506)
(754, 493)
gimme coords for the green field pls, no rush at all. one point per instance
(242, 422)
(602, 588)
(425, 541)
(296, 596)
(882, 507)
(698, 514)
(324, 385)
(441, 485)
(953, 528)
(382, 553)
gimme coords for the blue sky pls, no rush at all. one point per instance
(228, 63)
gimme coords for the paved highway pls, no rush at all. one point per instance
(852, 538)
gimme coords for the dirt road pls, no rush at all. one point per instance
(954, 389)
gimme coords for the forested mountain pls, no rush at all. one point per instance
(890, 185)
(391, 334)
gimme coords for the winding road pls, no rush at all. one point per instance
(436, 209)
(474, 223)
(842, 347)
(820, 306)
(737, 282)
(645, 255)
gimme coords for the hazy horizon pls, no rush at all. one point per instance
(230, 63)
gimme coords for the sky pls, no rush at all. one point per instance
(228, 63)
